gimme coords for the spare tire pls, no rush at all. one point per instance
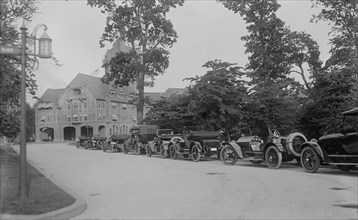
(294, 142)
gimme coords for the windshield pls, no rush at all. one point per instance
(350, 123)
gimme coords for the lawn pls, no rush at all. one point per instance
(44, 196)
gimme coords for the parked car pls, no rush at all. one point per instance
(339, 149)
(139, 137)
(160, 144)
(116, 143)
(276, 150)
(83, 142)
(196, 143)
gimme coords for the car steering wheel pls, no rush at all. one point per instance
(275, 133)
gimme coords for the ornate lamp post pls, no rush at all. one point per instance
(44, 52)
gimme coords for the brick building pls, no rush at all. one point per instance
(86, 107)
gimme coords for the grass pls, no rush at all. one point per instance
(44, 196)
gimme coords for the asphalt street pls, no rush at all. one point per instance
(119, 186)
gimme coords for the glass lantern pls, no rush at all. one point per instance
(45, 50)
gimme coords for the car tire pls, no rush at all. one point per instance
(294, 142)
(195, 153)
(310, 160)
(173, 152)
(163, 153)
(228, 155)
(273, 157)
(149, 151)
(345, 168)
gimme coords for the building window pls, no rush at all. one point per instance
(75, 105)
(80, 105)
(80, 118)
(68, 118)
(114, 105)
(85, 117)
(75, 118)
(69, 105)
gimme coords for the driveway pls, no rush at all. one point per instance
(119, 186)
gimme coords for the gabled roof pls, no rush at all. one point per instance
(155, 96)
(52, 96)
(99, 89)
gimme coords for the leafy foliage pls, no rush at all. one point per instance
(10, 12)
(336, 86)
(143, 25)
(219, 95)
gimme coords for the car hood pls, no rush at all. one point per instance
(330, 136)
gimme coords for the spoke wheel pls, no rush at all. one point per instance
(136, 149)
(310, 160)
(228, 155)
(163, 153)
(173, 152)
(149, 151)
(273, 157)
(195, 153)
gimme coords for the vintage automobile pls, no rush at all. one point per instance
(97, 142)
(139, 137)
(339, 149)
(160, 144)
(83, 142)
(115, 143)
(276, 150)
(196, 143)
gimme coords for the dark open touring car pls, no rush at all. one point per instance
(196, 143)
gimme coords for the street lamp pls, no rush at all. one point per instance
(44, 52)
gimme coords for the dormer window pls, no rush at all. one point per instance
(76, 91)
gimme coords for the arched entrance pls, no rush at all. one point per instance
(69, 133)
(46, 134)
(102, 131)
(87, 131)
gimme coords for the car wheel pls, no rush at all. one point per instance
(173, 152)
(228, 155)
(149, 151)
(273, 157)
(163, 153)
(125, 150)
(136, 149)
(195, 153)
(310, 160)
(345, 168)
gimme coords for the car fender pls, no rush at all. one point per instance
(197, 144)
(315, 146)
(236, 147)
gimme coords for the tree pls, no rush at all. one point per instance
(335, 88)
(10, 12)
(273, 53)
(143, 25)
(219, 95)
(172, 112)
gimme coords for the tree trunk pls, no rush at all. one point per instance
(140, 106)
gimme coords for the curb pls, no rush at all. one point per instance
(68, 212)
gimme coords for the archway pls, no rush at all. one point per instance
(46, 134)
(69, 133)
(102, 131)
(87, 131)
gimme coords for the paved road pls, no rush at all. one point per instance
(119, 186)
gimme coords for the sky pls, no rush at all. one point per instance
(206, 30)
